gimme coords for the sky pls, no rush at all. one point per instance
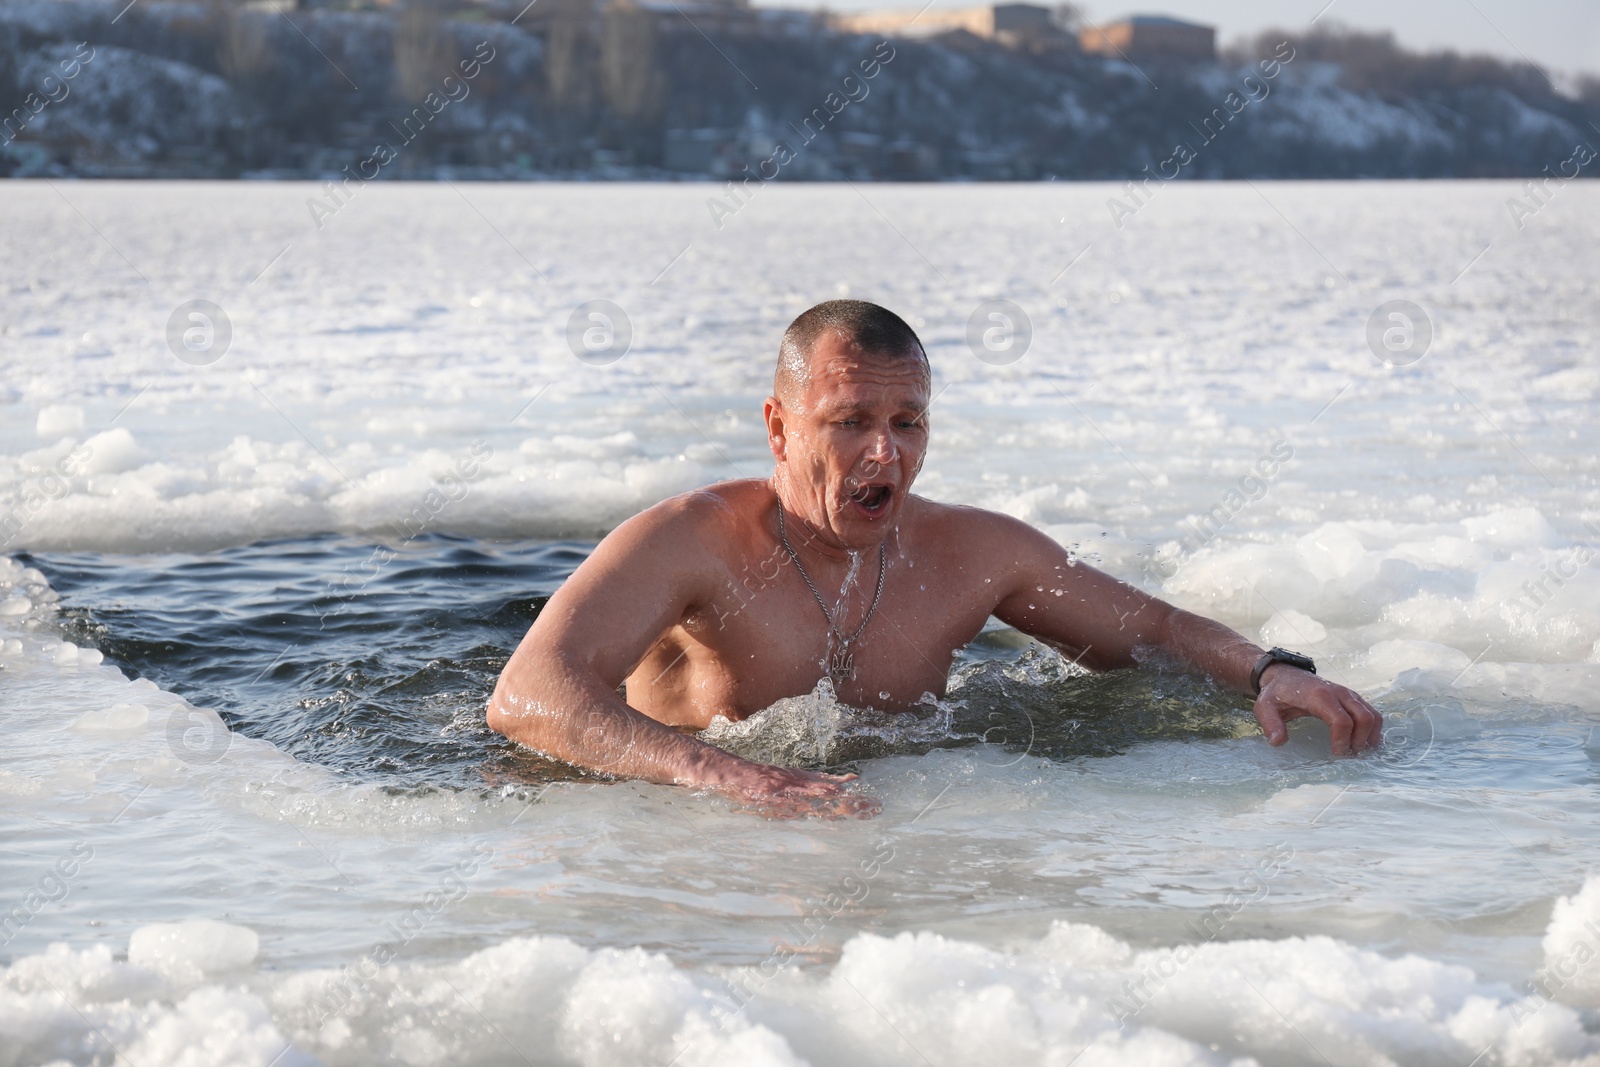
(1563, 36)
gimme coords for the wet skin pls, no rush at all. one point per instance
(697, 607)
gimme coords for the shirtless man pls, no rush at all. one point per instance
(728, 598)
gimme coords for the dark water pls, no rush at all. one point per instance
(381, 670)
(378, 669)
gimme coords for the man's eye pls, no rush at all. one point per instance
(847, 422)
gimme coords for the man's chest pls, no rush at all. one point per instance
(779, 640)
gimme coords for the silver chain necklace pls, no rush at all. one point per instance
(841, 661)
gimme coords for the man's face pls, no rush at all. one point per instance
(851, 441)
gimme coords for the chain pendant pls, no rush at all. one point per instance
(842, 665)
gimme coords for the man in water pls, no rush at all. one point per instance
(728, 598)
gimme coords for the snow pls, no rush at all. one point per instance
(192, 895)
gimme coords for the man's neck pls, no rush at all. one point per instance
(814, 542)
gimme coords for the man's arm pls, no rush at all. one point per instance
(1089, 614)
(558, 693)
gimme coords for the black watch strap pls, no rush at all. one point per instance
(1279, 655)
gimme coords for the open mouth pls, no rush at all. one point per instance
(873, 499)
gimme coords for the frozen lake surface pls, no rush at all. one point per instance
(292, 841)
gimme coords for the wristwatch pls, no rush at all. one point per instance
(1279, 655)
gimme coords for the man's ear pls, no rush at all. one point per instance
(777, 432)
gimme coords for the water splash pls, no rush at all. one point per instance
(817, 729)
(1037, 704)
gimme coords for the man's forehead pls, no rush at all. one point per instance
(851, 384)
(845, 368)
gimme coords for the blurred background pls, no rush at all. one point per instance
(710, 89)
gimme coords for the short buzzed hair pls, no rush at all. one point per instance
(875, 329)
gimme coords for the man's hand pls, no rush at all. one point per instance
(1289, 693)
(784, 793)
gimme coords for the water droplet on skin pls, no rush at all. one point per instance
(883, 696)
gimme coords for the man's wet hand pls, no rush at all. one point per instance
(1289, 693)
(786, 793)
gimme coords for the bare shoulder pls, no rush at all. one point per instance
(971, 529)
(709, 508)
(704, 521)
(1007, 553)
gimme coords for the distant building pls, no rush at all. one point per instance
(1150, 36)
(734, 15)
(1022, 19)
(993, 21)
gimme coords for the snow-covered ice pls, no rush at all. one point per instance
(176, 893)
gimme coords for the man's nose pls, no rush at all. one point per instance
(883, 449)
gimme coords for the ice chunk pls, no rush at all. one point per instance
(112, 452)
(193, 949)
(118, 718)
(59, 420)
(121, 1012)
(1512, 528)
(1214, 1002)
(1292, 629)
(1399, 655)
(1083, 945)
(1572, 948)
(625, 1007)
(215, 1026)
(1331, 551)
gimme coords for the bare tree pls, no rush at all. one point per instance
(244, 44)
(1589, 91)
(630, 75)
(1068, 18)
(569, 59)
(425, 51)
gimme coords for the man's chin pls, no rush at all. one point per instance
(859, 526)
